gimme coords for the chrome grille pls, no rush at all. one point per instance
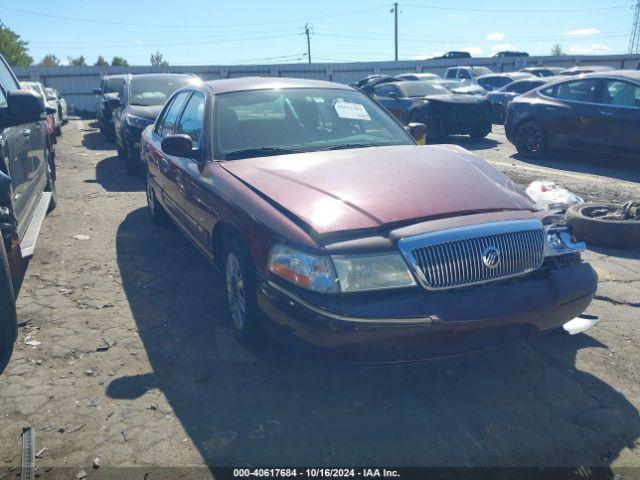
(467, 256)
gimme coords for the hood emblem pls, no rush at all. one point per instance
(491, 257)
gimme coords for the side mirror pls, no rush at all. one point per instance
(23, 106)
(417, 130)
(178, 146)
(97, 91)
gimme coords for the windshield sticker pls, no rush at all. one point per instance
(353, 111)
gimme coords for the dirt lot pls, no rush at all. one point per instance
(136, 364)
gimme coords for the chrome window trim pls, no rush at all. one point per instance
(408, 244)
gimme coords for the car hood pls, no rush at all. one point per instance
(370, 188)
(454, 98)
(150, 112)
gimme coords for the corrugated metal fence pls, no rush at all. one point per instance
(77, 83)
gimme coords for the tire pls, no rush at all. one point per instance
(51, 184)
(246, 321)
(156, 211)
(480, 135)
(603, 233)
(434, 132)
(530, 140)
(8, 317)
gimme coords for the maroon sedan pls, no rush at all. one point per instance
(334, 228)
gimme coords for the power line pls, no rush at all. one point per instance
(158, 25)
(503, 10)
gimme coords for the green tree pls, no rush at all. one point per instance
(13, 49)
(157, 60)
(77, 62)
(556, 51)
(119, 62)
(49, 60)
(101, 62)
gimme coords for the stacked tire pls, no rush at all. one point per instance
(592, 230)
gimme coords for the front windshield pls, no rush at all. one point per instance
(421, 89)
(113, 85)
(274, 122)
(148, 91)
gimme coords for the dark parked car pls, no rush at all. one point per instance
(106, 101)
(543, 71)
(140, 99)
(444, 113)
(597, 112)
(453, 55)
(510, 54)
(586, 69)
(500, 99)
(27, 192)
(370, 84)
(331, 227)
(418, 76)
(496, 81)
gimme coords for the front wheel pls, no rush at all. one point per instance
(530, 140)
(240, 283)
(8, 322)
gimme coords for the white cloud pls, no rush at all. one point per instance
(503, 47)
(475, 50)
(496, 36)
(593, 49)
(584, 32)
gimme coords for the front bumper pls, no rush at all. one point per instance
(413, 324)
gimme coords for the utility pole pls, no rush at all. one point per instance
(395, 18)
(634, 41)
(307, 33)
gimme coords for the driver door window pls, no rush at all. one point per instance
(170, 121)
(192, 119)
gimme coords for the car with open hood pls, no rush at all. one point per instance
(443, 112)
(139, 101)
(333, 229)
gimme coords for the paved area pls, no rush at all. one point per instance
(136, 364)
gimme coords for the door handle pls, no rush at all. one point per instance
(164, 165)
(26, 132)
(606, 114)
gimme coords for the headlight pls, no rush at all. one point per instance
(303, 269)
(346, 273)
(560, 241)
(139, 122)
(372, 272)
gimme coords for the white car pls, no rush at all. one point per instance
(54, 96)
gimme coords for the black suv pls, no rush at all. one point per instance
(27, 192)
(106, 101)
(141, 98)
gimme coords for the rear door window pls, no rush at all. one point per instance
(452, 73)
(577, 91)
(621, 94)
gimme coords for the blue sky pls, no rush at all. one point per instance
(253, 31)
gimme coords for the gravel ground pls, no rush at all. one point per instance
(136, 364)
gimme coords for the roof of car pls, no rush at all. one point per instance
(622, 74)
(593, 68)
(514, 75)
(120, 75)
(265, 83)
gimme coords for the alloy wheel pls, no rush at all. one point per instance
(235, 291)
(530, 139)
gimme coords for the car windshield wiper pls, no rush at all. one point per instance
(345, 146)
(261, 151)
